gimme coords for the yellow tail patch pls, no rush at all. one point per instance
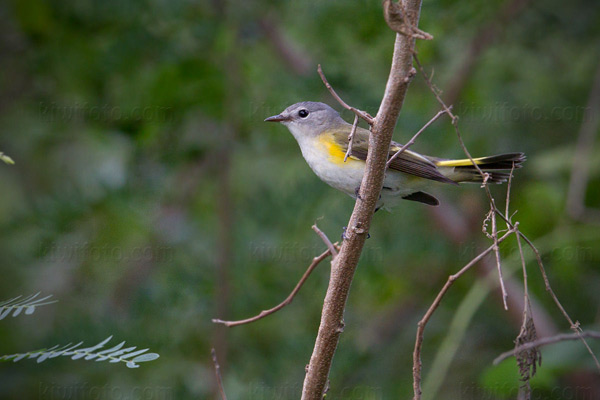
(459, 163)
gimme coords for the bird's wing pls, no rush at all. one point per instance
(408, 162)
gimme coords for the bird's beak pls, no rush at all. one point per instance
(278, 118)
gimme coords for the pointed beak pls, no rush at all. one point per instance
(277, 118)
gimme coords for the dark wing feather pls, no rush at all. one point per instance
(412, 163)
(408, 162)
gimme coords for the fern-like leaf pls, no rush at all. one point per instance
(129, 355)
(18, 304)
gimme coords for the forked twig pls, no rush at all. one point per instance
(396, 18)
(484, 176)
(527, 360)
(510, 177)
(284, 303)
(362, 114)
(412, 140)
(544, 342)
(497, 254)
(511, 227)
(218, 374)
(326, 240)
(575, 326)
(417, 366)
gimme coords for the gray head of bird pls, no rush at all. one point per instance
(308, 118)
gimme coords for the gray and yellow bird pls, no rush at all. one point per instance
(323, 138)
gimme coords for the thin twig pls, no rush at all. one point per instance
(284, 303)
(575, 326)
(484, 175)
(362, 114)
(417, 365)
(218, 374)
(509, 184)
(435, 91)
(326, 240)
(497, 254)
(526, 360)
(544, 342)
(351, 137)
(412, 140)
(525, 286)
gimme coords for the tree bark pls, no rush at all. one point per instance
(344, 265)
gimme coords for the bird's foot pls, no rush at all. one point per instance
(357, 192)
(344, 237)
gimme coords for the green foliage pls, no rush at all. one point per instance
(115, 354)
(136, 119)
(28, 304)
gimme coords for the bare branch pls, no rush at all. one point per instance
(508, 186)
(528, 360)
(575, 326)
(484, 176)
(412, 140)
(218, 374)
(436, 93)
(284, 303)
(545, 342)
(344, 265)
(351, 137)
(396, 18)
(325, 239)
(497, 254)
(362, 114)
(417, 365)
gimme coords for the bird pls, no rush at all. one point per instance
(322, 135)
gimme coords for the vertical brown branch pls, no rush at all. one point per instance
(344, 265)
(580, 173)
(218, 374)
(222, 164)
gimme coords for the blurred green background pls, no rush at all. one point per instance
(149, 197)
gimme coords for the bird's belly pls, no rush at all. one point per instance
(327, 162)
(342, 177)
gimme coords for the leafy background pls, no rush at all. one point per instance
(149, 197)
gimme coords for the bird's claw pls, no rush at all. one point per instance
(357, 192)
(344, 237)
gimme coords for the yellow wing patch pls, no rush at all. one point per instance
(335, 152)
(458, 163)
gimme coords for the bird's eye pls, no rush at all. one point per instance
(303, 113)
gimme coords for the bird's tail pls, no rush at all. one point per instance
(498, 167)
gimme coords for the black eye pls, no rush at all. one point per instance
(303, 113)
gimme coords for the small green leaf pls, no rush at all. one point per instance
(6, 159)
(146, 357)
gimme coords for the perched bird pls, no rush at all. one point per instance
(323, 138)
